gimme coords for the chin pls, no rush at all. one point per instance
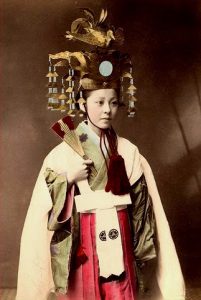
(105, 126)
(105, 123)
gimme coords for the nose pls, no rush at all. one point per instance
(106, 108)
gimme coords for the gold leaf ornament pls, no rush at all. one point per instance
(127, 75)
(132, 87)
(79, 25)
(81, 101)
(89, 14)
(103, 16)
(50, 74)
(62, 97)
(69, 89)
(61, 63)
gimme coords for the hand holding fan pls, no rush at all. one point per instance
(66, 130)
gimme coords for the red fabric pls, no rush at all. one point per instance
(69, 122)
(84, 282)
(81, 257)
(65, 215)
(68, 206)
(118, 182)
(57, 127)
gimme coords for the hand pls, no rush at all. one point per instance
(79, 171)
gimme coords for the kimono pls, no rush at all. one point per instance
(54, 236)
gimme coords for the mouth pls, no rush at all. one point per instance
(108, 119)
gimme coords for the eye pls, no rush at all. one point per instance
(99, 102)
(114, 102)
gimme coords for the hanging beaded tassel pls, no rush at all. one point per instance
(73, 107)
(80, 101)
(131, 92)
(55, 100)
(71, 92)
(62, 98)
(69, 89)
(50, 89)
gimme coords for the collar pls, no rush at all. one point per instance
(94, 137)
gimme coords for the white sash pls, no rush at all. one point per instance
(108, 236)
(108, 242)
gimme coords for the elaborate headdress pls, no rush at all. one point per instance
(103, 67)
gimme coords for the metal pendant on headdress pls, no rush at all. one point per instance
(130, 92)
(53, 101)
(81, 101)
(62, 98)
(71, 93)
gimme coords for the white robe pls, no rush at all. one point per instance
(34, 275)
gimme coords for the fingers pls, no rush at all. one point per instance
(87, 169)
(88, 162)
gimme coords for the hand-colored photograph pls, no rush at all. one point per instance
(100, 150)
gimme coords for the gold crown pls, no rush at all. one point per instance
(102, 67)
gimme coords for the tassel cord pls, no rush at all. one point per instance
(102, 137)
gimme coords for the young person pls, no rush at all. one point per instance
(95, 219)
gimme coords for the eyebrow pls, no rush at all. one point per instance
(113, 98)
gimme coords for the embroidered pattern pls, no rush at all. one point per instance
(113, 234)
(83, 137)
(102, 235)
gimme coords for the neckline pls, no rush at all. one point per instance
(94, 137)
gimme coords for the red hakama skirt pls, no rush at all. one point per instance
(85, 283)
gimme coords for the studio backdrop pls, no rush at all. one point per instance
(163, 39)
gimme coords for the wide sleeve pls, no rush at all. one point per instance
(143, 228)
(34, 272)
(169, 274)
(62, 199)
(143, 222)
(60, 221)
(35, 276)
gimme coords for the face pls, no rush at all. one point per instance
(102, 107)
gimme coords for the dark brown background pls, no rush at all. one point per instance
(164, 39)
